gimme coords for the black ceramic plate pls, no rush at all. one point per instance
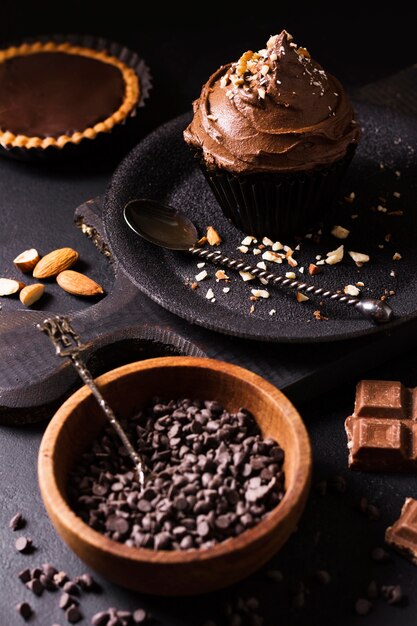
(382, 174)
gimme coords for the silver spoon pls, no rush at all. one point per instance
(67, 344)
(169, 228)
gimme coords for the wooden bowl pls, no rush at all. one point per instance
(129, 388)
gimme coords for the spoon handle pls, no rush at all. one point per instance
(67, 344)
(376, 310)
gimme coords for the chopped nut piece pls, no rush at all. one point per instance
(264, 281)
(261, 93)
(359, 257)
(321, 262)
(31, 294)
(277, 245)
(213, 236)
(397, 173)
(301, 270)
(381, 209)
(393, 274)
(303, 52)
(350, 198)
(396, 213)
(319, 317)
(313, 270)
(290, 274)
(9, 286)
(272, 312)
(27, 260)
(260, 293)
(339, 232)
(261, 265)
(226, 289)
(223, 81)
(292, 262)
(256, 251)
(264, 69)
(252, 309)
(397, 256)
(201, 276)
(301, 297)
(335, 256)
(242, 249)
(396, 194)
(272, 256)
(221, 275)
(246, 276)
(351, 290)
(194, 286)
(267, 242)
(200, 265)
(360, 284)
(209, 294)
(247, 241)
(202, 241)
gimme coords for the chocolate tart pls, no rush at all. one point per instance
(57, 94)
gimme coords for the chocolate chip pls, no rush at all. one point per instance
(372, 591)
(322, 576)
(35, 586)
(49, 570)
(25, 575)
(213, 476)
(65, 601)
(275, 575)
(25, 610)
(72, 588)
(23, 544)
(73, 614)
(100, 490)
(100, 619)
(87, 583)
(363, 606)
(48, 583)
(380, 555)
(392, 593)
(17, 522)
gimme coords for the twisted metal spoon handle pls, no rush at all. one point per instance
(376, 310)
(67, 344)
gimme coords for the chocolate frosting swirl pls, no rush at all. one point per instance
(275, 110)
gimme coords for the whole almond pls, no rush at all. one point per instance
(31, 294)
(78, 284)
(9, 286)
(55, 262)
(27, 260)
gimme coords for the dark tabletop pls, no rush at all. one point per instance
(333, 535)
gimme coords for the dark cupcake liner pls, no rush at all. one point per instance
(102, 142)
(277, 206)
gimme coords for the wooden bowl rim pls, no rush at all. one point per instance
(74, 525)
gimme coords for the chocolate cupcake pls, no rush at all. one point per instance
(57, 93)
(274, 134)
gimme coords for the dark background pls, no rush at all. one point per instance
(356, 41)
(359, 44)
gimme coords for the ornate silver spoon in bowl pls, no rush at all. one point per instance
(67, 344)
(169, 228)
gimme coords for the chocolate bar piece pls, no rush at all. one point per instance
(382, 432)
(402, 535)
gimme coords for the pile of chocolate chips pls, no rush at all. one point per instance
(214, 476)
